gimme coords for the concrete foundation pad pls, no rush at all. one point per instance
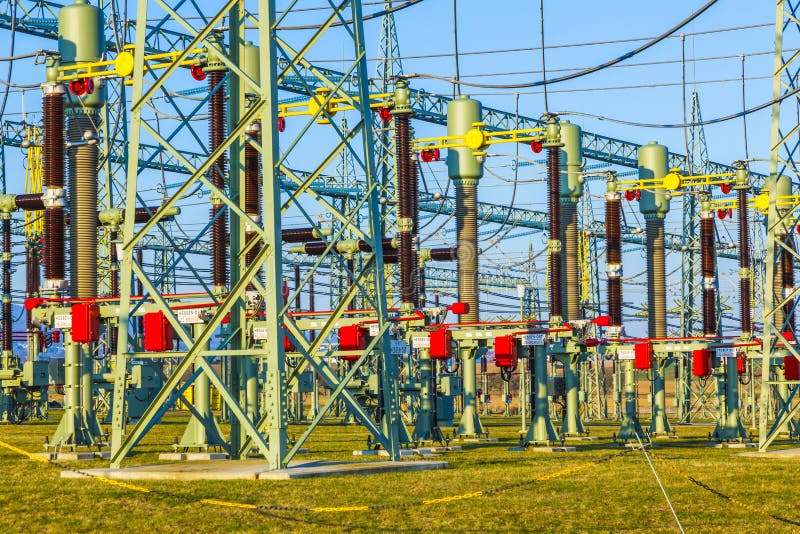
(665, 436)
(477, 440)
(580, 438)
(542, 449)
(435, 450)
(403, 453)
(781, 453)
(75, 456)
(733, 445)
(253, 470)
(192, 456)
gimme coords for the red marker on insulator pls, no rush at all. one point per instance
(536, 146)
(281, 124)
(197, 73)
(385, 114)
(725, 188)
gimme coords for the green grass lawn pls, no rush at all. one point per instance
(620, 494)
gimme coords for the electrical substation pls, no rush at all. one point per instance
(251, 241)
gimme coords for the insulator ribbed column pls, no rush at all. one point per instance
(114, 288)
(252, 191)
(53, 155)
(467, 235)
(569, 240)
(614, 259)
(787, 261)
(656, 278)
(82, 207)
(405, 208)
(8, 322)
(217, 130)
(553, 200)
(745, 296)
(708, 261)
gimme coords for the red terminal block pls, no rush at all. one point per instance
(701, 362)
(85, 323)
(459, 308)
(643, 356)
(602, 320)
(505, 351)
(158, 332)
(441, 344)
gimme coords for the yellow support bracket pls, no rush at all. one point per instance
(761, 202)
(122, 65)
(675, 181)
(478, 139)
(331, 105)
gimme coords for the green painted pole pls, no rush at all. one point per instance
(541, 431)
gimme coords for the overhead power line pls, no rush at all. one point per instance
(582, 73)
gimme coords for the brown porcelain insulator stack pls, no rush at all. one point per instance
(570, 297)
(553, 201)
(29, 202)
(298, 235)
(417, 281)
(614, 260)
(467, 234)
(219, 228)
(53, 155)
(82, 159)
(709, 273)
(252, 190)
(787, 262)
(405, 208)
(656, 277)
(114, 288)
(745, 296)
(31, 281)
(7, 319)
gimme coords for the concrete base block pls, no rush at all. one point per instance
(580, 438)
(75, 456)
(542, 449)
(477, 440)
(193, 456)
(252, 470)
(733, 445)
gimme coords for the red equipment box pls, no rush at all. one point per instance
(791, 367)
(352, 337)
(505, 351)
(158, 332)
(85, 323)
(643, 356)
(441, 342)
(701, 362)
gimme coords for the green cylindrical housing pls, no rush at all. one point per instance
(252, 61)
(81, 39)
(461, 163)
(81, 35)
(571, 160)
(653, 164)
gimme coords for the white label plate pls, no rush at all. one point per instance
(260, 333)
(726, 352)
(529, 340)
(191, 316)
(423, 342)
(63, 321)
(374, 329)
(626, 354)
